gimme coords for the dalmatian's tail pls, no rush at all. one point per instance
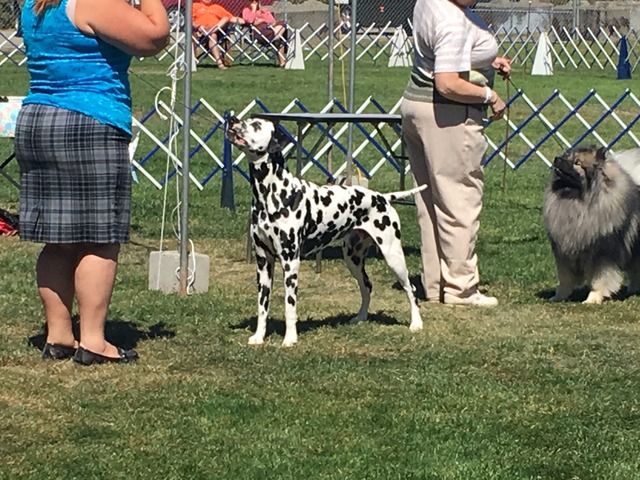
(393, 196)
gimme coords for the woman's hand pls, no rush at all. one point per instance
(497, 106)
(503, 66)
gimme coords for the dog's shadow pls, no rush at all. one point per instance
(418, 288)
(122, 333)
(276, 326)
(579, 295)
(334, 252)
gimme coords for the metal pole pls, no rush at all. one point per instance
(330, 95)
(352, 70)
(227, 196)
(330, 45)
(286, 16)
(186, 129)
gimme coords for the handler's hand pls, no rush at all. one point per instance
(503, 66)
(497, 107)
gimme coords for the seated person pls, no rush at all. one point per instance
(268, 31)
(210, 19)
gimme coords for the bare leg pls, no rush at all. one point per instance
(55, 278)
(282, 56)
(214, 48)
(277, 35)
(94, 279)
(217, 32)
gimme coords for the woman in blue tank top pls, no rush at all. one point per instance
(72, 138)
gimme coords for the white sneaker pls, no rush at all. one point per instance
(475, 300)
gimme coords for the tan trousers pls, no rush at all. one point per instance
(446, 145)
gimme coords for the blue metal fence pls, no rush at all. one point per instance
(527, 130)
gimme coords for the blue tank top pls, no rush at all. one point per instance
(75, 71)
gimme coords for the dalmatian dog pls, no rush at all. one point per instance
(291, 217)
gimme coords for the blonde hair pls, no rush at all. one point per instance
(39, 6)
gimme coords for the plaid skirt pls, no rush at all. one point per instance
(75, 177)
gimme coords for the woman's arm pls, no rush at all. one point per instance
(139, 32)
(266, 16)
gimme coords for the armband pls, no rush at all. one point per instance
(488, 95)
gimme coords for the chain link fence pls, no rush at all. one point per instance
(395, 13)
(314, 13)
(379, 21)
(9, 14)
(544, 18)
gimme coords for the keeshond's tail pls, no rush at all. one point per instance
(393, 196)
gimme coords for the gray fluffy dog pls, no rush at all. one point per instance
(591, 212)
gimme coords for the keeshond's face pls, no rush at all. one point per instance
(575, 171)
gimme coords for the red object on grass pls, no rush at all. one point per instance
(8, 223)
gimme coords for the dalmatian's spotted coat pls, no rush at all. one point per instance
(291, 217)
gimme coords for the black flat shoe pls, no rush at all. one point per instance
(85, 357)
(52, 351)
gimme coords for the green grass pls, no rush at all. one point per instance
(529, 390)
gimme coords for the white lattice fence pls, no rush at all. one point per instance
(11, 49)
(571, 48)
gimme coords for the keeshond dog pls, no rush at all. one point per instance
(591, 211)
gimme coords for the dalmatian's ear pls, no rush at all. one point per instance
(278, 141)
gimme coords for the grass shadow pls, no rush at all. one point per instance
(276, 326)
(210, 64)
(122, 333)
(147, 248)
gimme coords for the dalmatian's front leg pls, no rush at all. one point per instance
(265, 262)
(291, 267)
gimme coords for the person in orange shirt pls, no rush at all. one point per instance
(268, 31)
(210, 19)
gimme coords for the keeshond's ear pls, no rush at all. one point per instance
(601, 154)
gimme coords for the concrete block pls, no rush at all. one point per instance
(164, 272)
